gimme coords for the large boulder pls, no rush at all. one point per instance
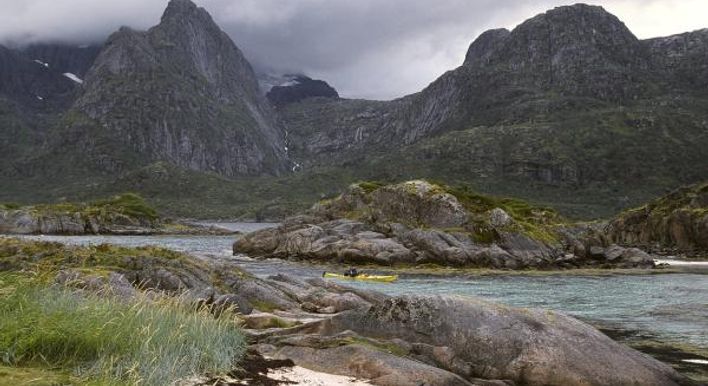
(477, 339)
(417, 203)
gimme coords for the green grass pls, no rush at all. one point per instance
(129, 204)
(109, 341)
(33, 376)
(49, 257)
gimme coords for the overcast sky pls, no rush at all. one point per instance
(379, 49)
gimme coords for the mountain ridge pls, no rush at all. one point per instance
(568, 104)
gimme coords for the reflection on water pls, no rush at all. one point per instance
(673, 307)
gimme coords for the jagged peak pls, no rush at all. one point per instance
(180, 9)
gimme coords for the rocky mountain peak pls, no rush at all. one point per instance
(581, 22)
(193, 39)
(578, 50)
(184, 93)
(177, 9)
(481, 48)
(575, 33)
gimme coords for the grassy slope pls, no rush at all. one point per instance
(59, 334)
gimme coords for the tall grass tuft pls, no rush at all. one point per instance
(148, 341)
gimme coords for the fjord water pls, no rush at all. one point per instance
(668, 308)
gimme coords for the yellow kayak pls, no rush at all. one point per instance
(364, 277)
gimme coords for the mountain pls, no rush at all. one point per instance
(568, 109)
(297, 88)
(682, 58)
(181, 92)
(31, 84)
(63, 57)
(33, 93)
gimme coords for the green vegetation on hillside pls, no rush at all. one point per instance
(692, 198)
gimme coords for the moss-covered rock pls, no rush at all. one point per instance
(676, 221)
(419, 222)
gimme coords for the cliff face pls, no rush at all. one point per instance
(682, 58)
(184, 93)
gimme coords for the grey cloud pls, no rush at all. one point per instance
(377, 49)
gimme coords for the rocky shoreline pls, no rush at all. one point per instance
(323, 326)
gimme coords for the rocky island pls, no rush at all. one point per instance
(125, 214)
(418, 222)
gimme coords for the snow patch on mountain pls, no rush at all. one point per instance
(73, 77)
(268, 81)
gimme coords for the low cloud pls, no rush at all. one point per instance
(378, 49)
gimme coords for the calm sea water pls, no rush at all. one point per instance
(669, 307)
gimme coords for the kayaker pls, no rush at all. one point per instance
(352, 272)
